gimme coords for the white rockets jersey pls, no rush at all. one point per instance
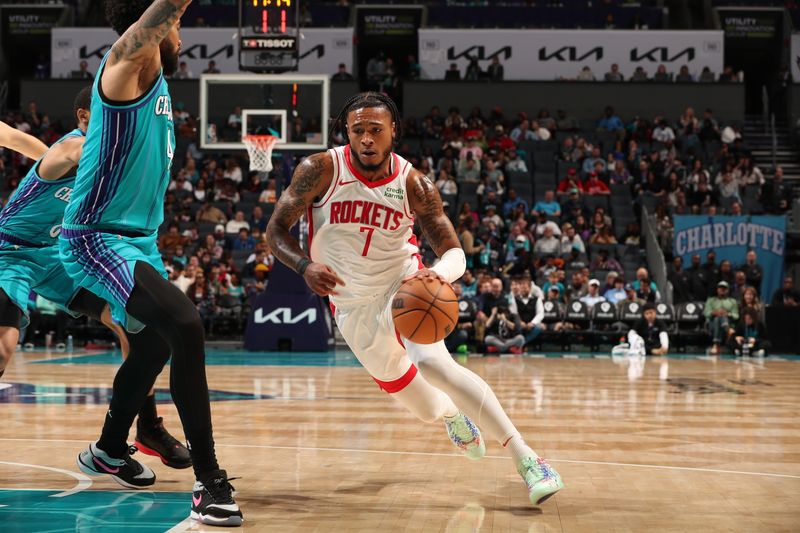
(364, 230)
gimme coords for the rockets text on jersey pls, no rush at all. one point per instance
(364, 230)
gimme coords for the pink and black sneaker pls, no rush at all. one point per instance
(127, 472)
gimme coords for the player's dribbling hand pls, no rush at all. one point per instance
(427, 275)
(322, 280)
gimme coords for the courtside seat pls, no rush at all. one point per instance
(690, 323)
(604, 316)
(577, 314)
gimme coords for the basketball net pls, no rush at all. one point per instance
(259, 148)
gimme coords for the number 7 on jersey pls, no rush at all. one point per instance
(369, 238)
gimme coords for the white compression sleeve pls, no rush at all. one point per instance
(452, 264)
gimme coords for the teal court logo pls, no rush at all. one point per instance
(70, 395)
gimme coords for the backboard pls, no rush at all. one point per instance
(293, 107)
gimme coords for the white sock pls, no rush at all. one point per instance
(469, 392)
(516, 446)
(425, 401)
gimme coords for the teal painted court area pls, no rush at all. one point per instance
(342, 358)
(25, 511)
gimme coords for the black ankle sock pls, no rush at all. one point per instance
(204, 459)
(148, 416)
(2, 372)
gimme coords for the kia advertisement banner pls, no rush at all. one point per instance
(321, 49)
(561, 54)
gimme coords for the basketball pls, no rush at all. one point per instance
(425, 311)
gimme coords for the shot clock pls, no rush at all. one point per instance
(268, 33)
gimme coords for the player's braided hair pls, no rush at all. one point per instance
(360, 101)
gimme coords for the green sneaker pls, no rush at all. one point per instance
(465, 435)
(542, 480)
(462, 348)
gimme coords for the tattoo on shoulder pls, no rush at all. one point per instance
(308, 175)
(425, 192)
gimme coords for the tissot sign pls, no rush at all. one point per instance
(554, 54)
(321, 49)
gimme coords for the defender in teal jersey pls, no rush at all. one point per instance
(108, 244)
(29, 260)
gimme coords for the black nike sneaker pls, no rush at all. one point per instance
(127, 472)
(212, 501)
(156, 441)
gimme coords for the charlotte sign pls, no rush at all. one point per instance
(321, 49)
(554, 54)
(731, 237)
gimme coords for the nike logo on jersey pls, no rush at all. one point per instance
(365, 213)
(347, 182)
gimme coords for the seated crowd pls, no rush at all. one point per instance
(546, 207)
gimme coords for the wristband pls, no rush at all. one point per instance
(303, 265)
(452, 264)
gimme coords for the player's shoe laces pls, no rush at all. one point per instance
(155, 440)
(542, 480)
(127, 472)
(465, 435)
(212, 501)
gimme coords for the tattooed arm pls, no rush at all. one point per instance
(135, 58)
(310, 180)
(426, 204)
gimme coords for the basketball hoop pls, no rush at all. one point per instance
(259, 148)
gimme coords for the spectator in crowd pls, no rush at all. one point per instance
(753, 272)
(452, 74)
(503, 329)
(529, 307)
(413, 68)
(494, 297)
(468, 169)
(720, 312)
(750, 300)
(564, 122)
(469, 285)
(739, 285)
(212, 68)
(376, 69)
(661, 75)
(649, 333)
(699, 277)
(631, 296)
(614, 74)
(578, 286)
(586, 74)
(549, 206)
(749, 337)
(446, 183)
(523, 132)
(683, 75)
(617, 293)
(495, 70)
(473, 72)
(514, 203)
(342, 74)
(639, 75)
(643, 278)
(787, 294)
(611, 122)
(83, 72)
(183, 72)
(727, 75)
(237, 223)
(269, 195)
(603, 261)
(594, 186)
(706, 76)
(548, 244)
(681, 280)
(258, 219)
(167, 243)
(571, 184)
(593, 295)
(663, 133)
(570, 240)
(589, 164)
(777, 193)
(244, 242)
(515, 163)
(457, 341)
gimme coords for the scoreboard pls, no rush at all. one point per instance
(268, 35)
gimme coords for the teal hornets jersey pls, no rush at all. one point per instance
(125, 166)
(34, 212)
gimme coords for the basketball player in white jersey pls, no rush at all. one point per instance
(361, 201)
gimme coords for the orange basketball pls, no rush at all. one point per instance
(425, 310)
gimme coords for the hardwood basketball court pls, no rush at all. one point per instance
(678, 444)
